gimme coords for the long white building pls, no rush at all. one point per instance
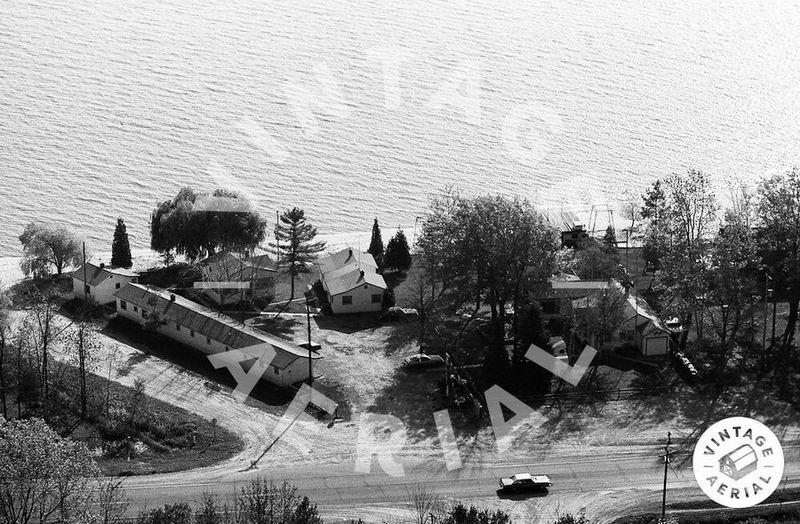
(208, 331)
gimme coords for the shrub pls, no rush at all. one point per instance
(179, 513)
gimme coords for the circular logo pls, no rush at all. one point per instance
(738, 462)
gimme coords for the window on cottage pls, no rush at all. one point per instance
(347, 300)
(123, 304)
(376, 298)
(117, 285)
(208, 340)
(191, 333)
(177, 327)
(87, 289)
(135, 309)
(144, 313)
(276, 370)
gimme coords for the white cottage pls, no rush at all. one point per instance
(210, 332)
(99, 283)
(351, 282)
(650, 334)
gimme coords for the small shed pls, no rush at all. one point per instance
(649, 333)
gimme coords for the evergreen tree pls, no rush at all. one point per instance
(376, 244)
(120, 247)
(295, 242)
(610, 239)
(398, 254)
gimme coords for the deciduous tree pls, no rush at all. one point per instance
(779, 236)
(487, 250)
(5, 337)
(688, 219)
(46, 246)
(45, 477)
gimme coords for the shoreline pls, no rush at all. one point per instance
(145, 258)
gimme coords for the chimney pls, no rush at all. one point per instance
(172, 297)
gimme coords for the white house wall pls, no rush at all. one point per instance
(295, 372)
(362, 300)
(102, 293)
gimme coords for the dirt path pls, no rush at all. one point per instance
(252, 421)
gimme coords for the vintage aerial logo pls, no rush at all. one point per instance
(738, 462)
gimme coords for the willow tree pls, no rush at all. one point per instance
(197, 224)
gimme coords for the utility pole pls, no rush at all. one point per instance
(767, 278)
(308, 323)
(666, 468)
(277, 241)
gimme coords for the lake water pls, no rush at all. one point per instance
(353, 110)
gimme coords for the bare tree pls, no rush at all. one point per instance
(109, 503)
(426, 506)
(5, 332)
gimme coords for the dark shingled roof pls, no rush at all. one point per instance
(209, 323)
(97, 274)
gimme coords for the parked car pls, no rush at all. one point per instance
(422, 360)
(674, 325)
(398, 313)
(524, 482)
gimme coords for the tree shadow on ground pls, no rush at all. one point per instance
(132, 361)
(189, 360)
(413, 397)
(281, 326)
(399, 335)
(347, 324)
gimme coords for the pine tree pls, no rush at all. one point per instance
(121, 248)
(610, 240)
(376, 244)
(295, 241)
(398, 254)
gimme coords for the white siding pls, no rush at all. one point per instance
(297, 371)
(102, 293)
(362, 300)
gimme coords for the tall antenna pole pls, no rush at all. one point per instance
(85, 283)
(666, 466)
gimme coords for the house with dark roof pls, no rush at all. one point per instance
(641, 326)
(99, 283)
(229, 278)
(210, 332)
(351, 282)
(646, 329)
